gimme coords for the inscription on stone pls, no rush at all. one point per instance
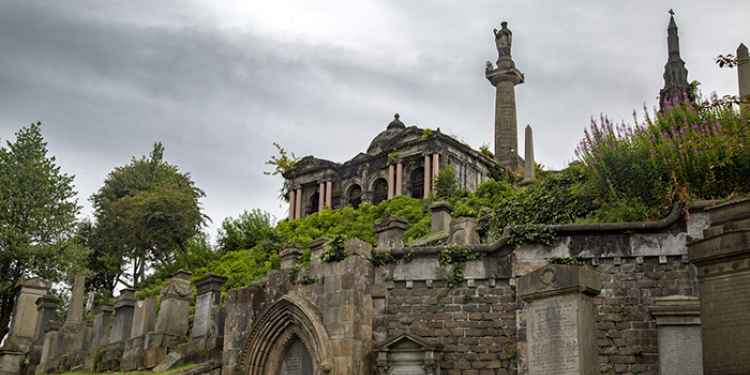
(202, 315)
(726, 306)
(297, 360)
(553, 341)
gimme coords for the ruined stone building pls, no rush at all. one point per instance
(667, 297)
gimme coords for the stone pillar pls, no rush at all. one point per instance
(46, 307)
(298, 203)
(75, 312)
(209, 297)
(391, 233)
(441, 216)
(723, 261)
(399, 177)
(289, 257)
(678, 324)
(435, 165)
(321, 196)
(23, 325)
(329, 194)
(528, 167)
(743, 76)
(102, 324)
(560, 319)
(172, 323)
(427, 176)
(391, 180)
(123, 320)
(292, 201)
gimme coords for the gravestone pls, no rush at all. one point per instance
(123, 320)
(50, 348)
(75, 312)
(102, 324)
(144, 319)
(723, 261)
(209, 296)
(560, 319)
(172, 322)
(678, 324)
(46, 307)
(23, 325)
(297, 360)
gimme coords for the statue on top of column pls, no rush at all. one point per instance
(503, 40)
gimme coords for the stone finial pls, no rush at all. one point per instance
(391, 233)
(289, 257)
(529, 162)
(441, 216)
(396, 123)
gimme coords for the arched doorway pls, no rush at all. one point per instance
(297, 359)
(313, 203)
(416, 183)
(354, 196)
(379, 190)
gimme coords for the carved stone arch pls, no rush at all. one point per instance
(290, 318)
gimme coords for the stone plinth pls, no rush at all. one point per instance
(391, 233)
(441, 216)
(560, 319)
(678, 325)
(11, 362)
(23, 326)
(289, 257)
(723, 261)
(208, 296)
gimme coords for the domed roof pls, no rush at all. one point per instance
(387, 136)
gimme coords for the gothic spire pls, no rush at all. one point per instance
(676, 87)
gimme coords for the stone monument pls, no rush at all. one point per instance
(678, 324)
(743, 77)
(504, 77)
(560, 319)
(172, 322)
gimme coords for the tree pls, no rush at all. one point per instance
(37, 217)
(446, 183)
(246, 231)
(145, 212)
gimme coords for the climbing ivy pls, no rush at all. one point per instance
(456, 258)
(333, 250)
(530, 233)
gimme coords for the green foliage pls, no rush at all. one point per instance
(530, 233)
(145, 213)
(567, 260)
(392, 156)
(427, 133)
(245, 232)
(456, 258)
(282, 163)
(446, 183)
(37, 217)
(683, 153)
(382, 258)
(485, 150)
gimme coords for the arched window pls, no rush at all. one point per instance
(297, 360)
(416, 183)
(354, 196)
(379, 190)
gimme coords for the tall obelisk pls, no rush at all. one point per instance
(505, 77)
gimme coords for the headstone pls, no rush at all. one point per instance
(75, 312)
(529, 172)
(723, 261)
(441, 216)
(172, 322)
(391, 233)
(123, 320)
(46, 307)
(678, 324)
(464, 231)
(209, 295)
(50, 348)
(144, 317)
(560, 319)
(102, 324)
(169, 361)
(23, 325)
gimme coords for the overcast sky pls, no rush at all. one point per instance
(218, 81)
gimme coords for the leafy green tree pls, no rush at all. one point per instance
(446, 183)
(146, 212)
(37, 217)
(246, 231)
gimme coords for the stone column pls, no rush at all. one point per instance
(391, 181)
(560, 319)
(435, 165)
(441, 216)
(321, 195)
(528, 168)
(123, 320)
(209, 296)
(678, 325)
(743, 76)
(23, 325)
(427, 176)
(329, 194)
(399, 177)
(298, 203)
(75, 312)
(292, 201)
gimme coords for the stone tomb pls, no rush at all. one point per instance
(678, 322)
(560, 319)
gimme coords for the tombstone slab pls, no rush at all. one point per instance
(678, 325)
